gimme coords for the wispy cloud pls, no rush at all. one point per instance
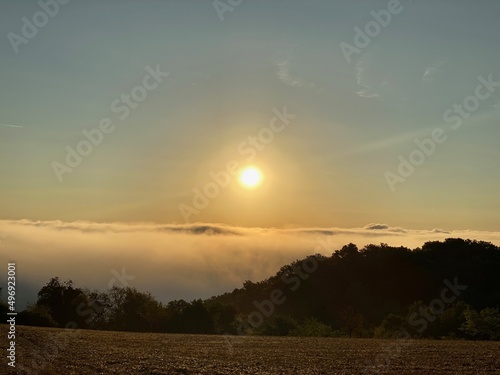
(387, 142)
(284, 63)
(363, 78)
(181, 261)
(284, 74)
(433, 69)
(12, 126)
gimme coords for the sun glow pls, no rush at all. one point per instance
(250, 177)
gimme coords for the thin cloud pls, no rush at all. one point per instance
(12, 126)
(385, 143)
(284, 63)
(433, 69)
(284, 74)
(363, 78)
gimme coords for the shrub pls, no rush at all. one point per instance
(312, 327)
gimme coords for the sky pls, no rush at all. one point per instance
(143, 112)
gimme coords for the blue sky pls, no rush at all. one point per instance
(353, 120)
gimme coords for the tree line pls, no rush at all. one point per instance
(375, 291)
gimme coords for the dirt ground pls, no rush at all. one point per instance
(59, 351)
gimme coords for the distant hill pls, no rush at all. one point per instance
(443, 289)
(373, 283)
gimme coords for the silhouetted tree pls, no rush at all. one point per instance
(222, 316)
(132, 310)
(63, 302)
(349, 251)
(351, 320)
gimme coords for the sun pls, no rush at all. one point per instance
(250, 177)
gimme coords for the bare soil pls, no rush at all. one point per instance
(59, 351)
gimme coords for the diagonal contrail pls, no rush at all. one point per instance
(12, 126)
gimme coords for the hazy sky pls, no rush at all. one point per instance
(227, 79)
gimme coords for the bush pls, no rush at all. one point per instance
(36, 315)
(314, 328)
(391, 327)
(280, 325)
(484, 325)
